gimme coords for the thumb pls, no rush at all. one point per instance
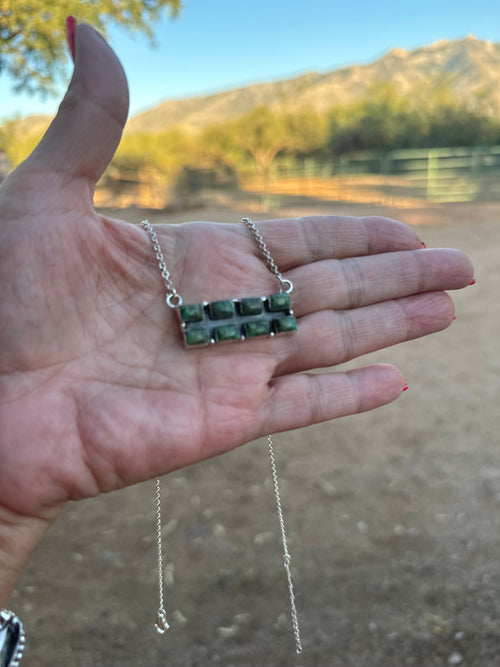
(86, 131)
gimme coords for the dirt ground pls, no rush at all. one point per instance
(393, 517)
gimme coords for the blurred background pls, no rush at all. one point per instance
(275, 109)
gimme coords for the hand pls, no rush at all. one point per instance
(97, 390)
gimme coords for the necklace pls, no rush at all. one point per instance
(220, 322)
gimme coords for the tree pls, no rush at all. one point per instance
(263, 134)
(165, 151)
(219, 145)
(19, 137)
(306, 132)
(32, 39)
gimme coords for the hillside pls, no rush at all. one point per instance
(30, 124)
(472, 67)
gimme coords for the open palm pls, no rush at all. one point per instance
(97, 390)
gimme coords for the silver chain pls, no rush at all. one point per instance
(286, 555)
(285, 284)
(161, 621)
(174, 300)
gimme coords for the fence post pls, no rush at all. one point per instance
(432, 169)
(475, 172)
(386, 170)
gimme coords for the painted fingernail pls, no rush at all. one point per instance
(70, 35)
(473, 282)
(422, 244)
(455, 317)
(405, 386)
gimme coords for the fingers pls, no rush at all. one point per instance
(84, 135)
(361, 281)
(304, 399)
(327, 338)
(296, 241)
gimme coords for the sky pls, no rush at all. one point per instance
(221, 44)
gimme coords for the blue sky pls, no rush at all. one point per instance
(220, 44)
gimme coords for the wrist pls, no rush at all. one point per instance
(19, 537)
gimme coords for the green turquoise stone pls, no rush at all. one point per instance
(221, 310)
(251, 306)
(192, 312)
(279, 302)
(257, 328)
(198, 336)
(227, 332)
(285, 324)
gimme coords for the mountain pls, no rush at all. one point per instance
(470, 65)
(30, 124)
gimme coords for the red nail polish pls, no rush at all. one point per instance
(422, 244)
(455, 318)
(473, 282)
(405, 386)
(70, 35)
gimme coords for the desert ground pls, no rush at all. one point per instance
(393, 518)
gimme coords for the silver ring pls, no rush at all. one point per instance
(174, 300)
(12, 639)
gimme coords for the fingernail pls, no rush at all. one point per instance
(405, 386)
(473, 282)
(70, 35)
(455, 318)
(422, 244)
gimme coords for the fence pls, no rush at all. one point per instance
(398, 177)
(435, 174)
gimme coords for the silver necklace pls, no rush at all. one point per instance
(210, 323)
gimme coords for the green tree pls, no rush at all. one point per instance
(263, 134)
(166, 151)
(19, 137)
(433, 115)
(306, 132)
(155, 158)
(379, 121)
(32, 39)
(219, 145)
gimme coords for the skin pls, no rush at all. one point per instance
(96, 389)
